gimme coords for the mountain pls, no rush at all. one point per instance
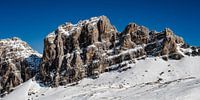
(92, 60)
(18, 63)
(94, 46)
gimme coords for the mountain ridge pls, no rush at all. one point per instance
(89, 48)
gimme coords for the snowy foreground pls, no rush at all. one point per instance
(149, 79)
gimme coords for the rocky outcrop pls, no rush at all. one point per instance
(138, 34)
(93, 46)
(70, 50)
(18, 63)
(163, 43)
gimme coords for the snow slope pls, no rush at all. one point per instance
(148, 79)
(20, 92)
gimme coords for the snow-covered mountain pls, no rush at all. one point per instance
(148, 79)
(18, 63)
(91, 60)
(94, 46)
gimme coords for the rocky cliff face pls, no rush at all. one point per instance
(70, 51)
(91, 47)
(18, 63)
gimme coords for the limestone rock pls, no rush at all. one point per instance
(71, 49)
(91, 47)
(139, 34)
(127, 43)
(163, 43)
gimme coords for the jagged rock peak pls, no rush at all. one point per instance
(133, 27)
(68, 28)
(18, 63)
(138, 34)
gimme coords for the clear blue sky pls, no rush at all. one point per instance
(32, 20)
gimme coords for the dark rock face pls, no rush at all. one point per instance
(163, 43)
(176, 56)
(18, 63)
(94, 46)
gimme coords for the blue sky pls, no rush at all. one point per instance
(32, 20)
